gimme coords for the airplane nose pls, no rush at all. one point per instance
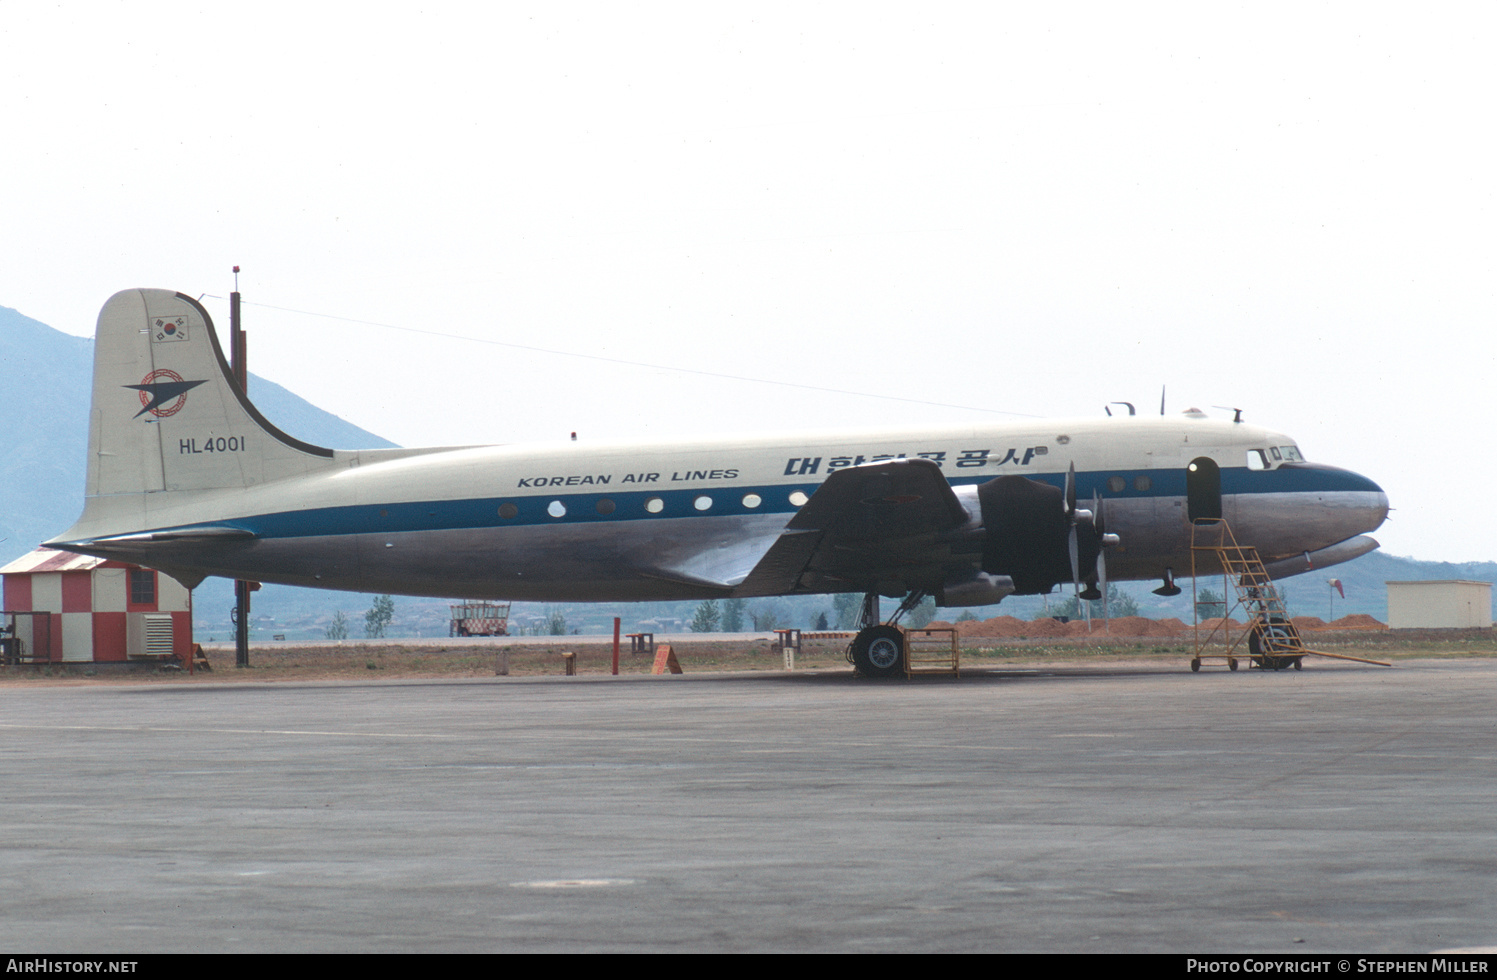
(1339, 508)
(1332, 505)
(1380, 508)
(1361, 503)
(1374, 505)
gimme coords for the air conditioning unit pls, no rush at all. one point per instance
(148, 635)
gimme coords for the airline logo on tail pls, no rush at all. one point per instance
(163, 393)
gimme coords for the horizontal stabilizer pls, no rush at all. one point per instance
(210, 533)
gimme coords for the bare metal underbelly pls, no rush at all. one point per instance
(696, 557)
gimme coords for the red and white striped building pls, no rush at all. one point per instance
(97, 610)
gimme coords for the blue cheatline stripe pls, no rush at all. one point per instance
(582, 508)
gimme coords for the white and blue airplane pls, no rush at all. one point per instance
(186, 476)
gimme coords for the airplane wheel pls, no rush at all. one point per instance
(1195, 665)
(1263, 639)
(1297, 664)
(1231, 663)
(878, 651)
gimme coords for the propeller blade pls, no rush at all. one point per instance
(1099, 518)
(1075, 549)
(1071, 489)
(1102, 580)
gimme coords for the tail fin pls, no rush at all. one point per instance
(167, 415)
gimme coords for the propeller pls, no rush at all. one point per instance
(1073, 544)
(1102, 581)
(1075, 517)
(1101, 540)
(1099, 521)
(1097, 518)
(1105, 540)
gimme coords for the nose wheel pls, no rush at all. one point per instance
(1269, 640)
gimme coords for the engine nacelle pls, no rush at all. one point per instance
(981, 589)
(1026, 535)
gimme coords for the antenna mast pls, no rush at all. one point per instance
(242, 590)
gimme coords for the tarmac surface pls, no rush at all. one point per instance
(1341, 808)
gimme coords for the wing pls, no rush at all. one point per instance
(885, 527)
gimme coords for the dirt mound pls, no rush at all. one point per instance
(1358, 621)
(999, 626)
(1140, 626)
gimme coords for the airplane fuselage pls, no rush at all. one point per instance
(576, 521)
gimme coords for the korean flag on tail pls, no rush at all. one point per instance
(165, 329)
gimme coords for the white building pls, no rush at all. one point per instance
(1451, 604)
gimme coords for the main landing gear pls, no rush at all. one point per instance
(878, 650)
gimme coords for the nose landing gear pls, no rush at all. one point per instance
(1270, 640)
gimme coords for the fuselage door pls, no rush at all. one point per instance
(1203, 489)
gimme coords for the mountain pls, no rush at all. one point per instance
(45, 396)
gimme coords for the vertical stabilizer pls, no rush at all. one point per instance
(167, 414)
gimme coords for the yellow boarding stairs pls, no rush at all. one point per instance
(1273, 643)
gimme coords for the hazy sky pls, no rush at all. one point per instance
(1023, 208)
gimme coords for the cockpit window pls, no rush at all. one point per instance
(1267, 459)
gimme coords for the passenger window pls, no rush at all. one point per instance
(752, 500)
(1116, 484)
(557, 509)
(702, 503)
(1142, 482)
(798, 499)
(654, 505)
(605, 507)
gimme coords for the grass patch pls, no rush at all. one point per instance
(389, 661)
